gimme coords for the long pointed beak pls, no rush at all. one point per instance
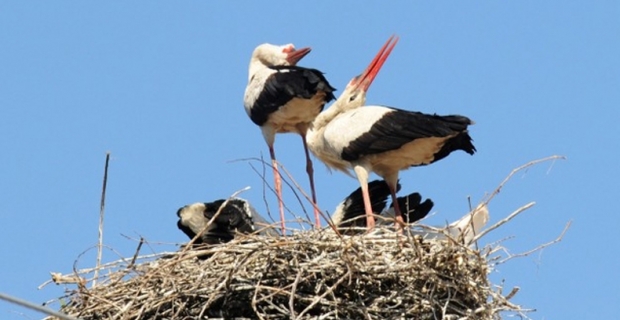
(294, 56)
(368, 76)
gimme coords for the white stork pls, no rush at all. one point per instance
(281, 97)
(348, 215)
(381, 139)
(237, 216)
(463, 230)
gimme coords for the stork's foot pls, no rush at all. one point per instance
(399, 224)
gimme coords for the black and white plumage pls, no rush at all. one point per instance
(386, 140)
(412, 207)
(347, 213)
(281, 97)
(238, 216)
(349, 216)
(466, 228)
(383, 140)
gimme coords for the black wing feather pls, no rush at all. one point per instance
(354, 212)
(232, 218)
(399, 127)
(287, 83)
(412, 207)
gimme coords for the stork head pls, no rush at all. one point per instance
(192, 219)
(269, 55)
(235, 217)
(354, 95)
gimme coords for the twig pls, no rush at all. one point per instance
(266, 185)
(288, 184)
(292, 188)
(101, 215)
(135, 256)
(512, 293)
(514, 171)
(199, 234)
(329, 290)
(314, 205)
(35, 307)
(540, 247)
(503, 221)
(291, 300)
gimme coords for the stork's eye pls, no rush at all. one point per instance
(353, 97)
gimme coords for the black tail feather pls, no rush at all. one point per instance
(412, 208)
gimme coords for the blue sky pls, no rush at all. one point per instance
(160, 86)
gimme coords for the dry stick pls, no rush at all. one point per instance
(288, 184)
(471, 224)
(514, 171)
(120, 261)
(189, 244)
(540, 247)
(512, 293)
(291, 301)
(499, 188)
(303, 208)
(135, 256)
(317, 299)
(101, 214)
(95, 269)
(132, 263)
(266, 184)
(503, 221)
(35, 307)
(331, 224)
(290, 176)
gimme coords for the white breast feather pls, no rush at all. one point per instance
(350, 125)
(255, 87)
(295, 112)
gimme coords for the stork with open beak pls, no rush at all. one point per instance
(381, 139)
(281, 97)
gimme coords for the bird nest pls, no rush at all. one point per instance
(314, 274)
(310, 275)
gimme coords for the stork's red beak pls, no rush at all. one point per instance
(367, 77)
(294, 56)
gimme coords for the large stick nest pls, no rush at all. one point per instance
(312, 274)
(309, 275)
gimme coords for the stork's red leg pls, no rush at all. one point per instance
(398, 216)
(310, 171)
(278, 187)
(362, 177)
